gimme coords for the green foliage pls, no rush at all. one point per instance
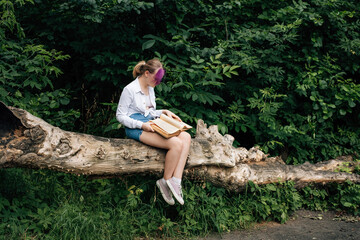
(282, 75)
(271, 202)
(279, 75)
(26, 70)
(335, 196)
(25, 74)
(8, 22)
(314, 198)
(345, 196)
(46, 204)
(357, 166)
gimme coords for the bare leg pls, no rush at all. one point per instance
(174, 146)
(175, 160)
(186, 140)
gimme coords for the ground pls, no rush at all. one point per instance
(302, 225)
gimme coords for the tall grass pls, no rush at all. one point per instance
(41, 204)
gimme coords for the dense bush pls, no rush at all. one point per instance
(27, 71)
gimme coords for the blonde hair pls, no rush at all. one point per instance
(142, 66)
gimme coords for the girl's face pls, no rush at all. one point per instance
(156, 77)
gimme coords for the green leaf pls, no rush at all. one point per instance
(18, 94)
(243, 128)
(148, 44)
(64, 101)
(234, 67)
(271, 187)
(347, 204)
(3, 92)
(225, 69)
(53, 104)
(351, 103)
(222, 128)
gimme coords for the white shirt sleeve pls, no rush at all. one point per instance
(126, 99)
(158, 112)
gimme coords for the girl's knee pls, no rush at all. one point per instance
(176, 143)
(185, 137)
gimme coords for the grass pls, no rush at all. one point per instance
(41, 204)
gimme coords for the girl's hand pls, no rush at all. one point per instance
(172, 115)
(147, 127)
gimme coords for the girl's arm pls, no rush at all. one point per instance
(125, 101)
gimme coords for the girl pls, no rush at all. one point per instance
(136, 107)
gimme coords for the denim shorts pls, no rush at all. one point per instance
(134, 133)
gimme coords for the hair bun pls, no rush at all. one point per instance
(142, 66)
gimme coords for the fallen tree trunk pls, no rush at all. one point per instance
(28, 141)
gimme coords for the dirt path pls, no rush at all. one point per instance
(303, 225)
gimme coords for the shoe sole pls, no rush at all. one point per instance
(178, 198)
(163, 194)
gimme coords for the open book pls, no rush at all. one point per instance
(168, 127)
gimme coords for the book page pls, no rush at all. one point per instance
(186, 126)
(179, 125)
(165, 126)
(171, 121)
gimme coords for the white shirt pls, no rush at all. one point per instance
(133, 100)
(148, 102)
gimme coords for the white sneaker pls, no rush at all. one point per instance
(165, 192)
(176, 190)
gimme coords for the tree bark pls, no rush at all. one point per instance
(28, 141)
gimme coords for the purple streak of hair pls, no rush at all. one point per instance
(159, 75)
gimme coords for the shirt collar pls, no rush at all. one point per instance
(137, 86)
